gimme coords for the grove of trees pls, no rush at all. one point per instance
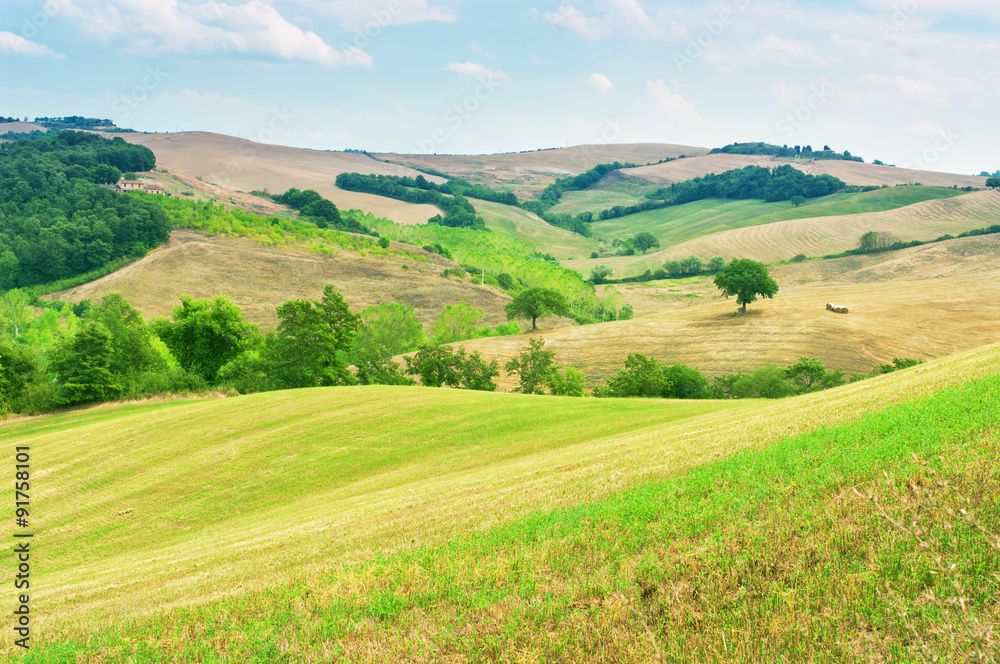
(57, 222)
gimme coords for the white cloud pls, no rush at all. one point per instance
(481, 72)
(618, 17)
(169, 26)
(600, 83)
(358, 15)
(11, 43)
(671, 106)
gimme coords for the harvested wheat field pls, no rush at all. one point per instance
(527, 173)
(922, 302)
(851, 172)
(258, 279)
(241, 165)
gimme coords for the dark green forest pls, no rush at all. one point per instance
(56, 221)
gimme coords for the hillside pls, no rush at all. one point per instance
(242, 165)
(781, 240)
(528, 173)
(259, 278)
(216, 540)
(851, 172)
(922, 302)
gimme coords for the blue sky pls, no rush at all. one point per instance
(911, 82)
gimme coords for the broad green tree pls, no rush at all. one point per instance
(19, 367)
(131, 340)
(640, 377)
(457, 322)
(993, 183)
(15, 314)
(82, 365)
(645, 241)
(394, 325)
(746, 279)
(533, 366)
(310, 347)
(206, 334)
(716, 263)
(536, 302)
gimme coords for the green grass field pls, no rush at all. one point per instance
(525, 227)
(674, 225)
(389, 524)
(628, 192)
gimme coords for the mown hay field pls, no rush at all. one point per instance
(313, 525)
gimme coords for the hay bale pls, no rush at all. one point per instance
(829, 307)
(843, 310)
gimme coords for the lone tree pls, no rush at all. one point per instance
(746, 279)
(993, 183)
(645, 241)
(535, 302)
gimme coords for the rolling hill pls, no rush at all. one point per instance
(781, 240)
(921, 302)
(181, 529)
(259, 278)
(242, 165)
(851, 172)
(528, 173)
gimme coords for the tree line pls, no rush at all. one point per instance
(88, 353)
(806, 152)
(458, 211)
(56, 221)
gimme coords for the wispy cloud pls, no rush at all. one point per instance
(356, 15)
(616, 17)
(478, 70)
(11, 43)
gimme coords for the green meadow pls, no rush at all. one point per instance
(409, 524)
(673, 225)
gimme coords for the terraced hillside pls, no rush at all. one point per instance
(923, 302)
(259, 278)
(307, 524)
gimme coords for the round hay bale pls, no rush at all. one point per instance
(829, 307)
(843, 310)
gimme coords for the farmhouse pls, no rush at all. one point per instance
(137, 185)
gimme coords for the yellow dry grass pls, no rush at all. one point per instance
(851, 172)
(922, 302)
(241, 165)
(258, 279)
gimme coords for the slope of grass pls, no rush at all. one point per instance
(674, 225)
(524, 226)
(603, 197)
(800, 551)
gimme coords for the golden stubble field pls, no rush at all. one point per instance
(258, 279)
(923, 302)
